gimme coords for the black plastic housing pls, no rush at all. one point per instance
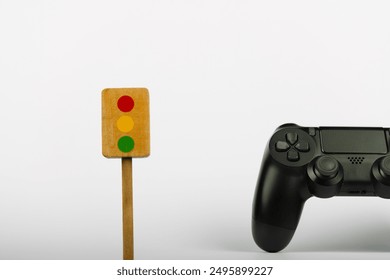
(288, 175)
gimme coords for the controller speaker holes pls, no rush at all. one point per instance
(356, 160)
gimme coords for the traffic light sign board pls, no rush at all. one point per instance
(125, 122)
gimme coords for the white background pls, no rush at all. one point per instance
(222, 76)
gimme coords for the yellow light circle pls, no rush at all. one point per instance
(125, 123)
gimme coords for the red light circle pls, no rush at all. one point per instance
(125, 103)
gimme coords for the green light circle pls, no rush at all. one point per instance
(126, 144)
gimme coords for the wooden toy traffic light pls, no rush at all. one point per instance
(126, 134)
(125, 122)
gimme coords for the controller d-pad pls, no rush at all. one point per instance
(291, 138)
(292, 145)
(282, 146)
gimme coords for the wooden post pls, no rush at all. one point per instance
(127, 207)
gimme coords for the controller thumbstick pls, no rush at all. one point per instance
(326, 176)
(326, 167)
(384, 167)
(381, 172)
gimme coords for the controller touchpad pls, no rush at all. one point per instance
(353, 141)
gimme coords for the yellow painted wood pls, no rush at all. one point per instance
(116, 124)
(127, 208)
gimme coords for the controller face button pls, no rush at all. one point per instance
(293, 155)
(282, 146)
(291, 138)
(384, 166)
(302, 146)
(326, 167)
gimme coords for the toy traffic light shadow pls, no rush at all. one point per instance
(126, 134)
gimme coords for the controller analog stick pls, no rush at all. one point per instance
(384, 167)
(326, 176)
(381, 172)
(327, 167)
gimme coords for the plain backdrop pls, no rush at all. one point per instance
(222, 76)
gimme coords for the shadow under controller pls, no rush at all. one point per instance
(301, 162)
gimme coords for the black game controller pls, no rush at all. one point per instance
(300, 162)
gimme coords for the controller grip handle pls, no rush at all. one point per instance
(278, 203)
(271, 238)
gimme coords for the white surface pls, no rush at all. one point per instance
(222, 76)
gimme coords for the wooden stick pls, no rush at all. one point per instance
(127, 206)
